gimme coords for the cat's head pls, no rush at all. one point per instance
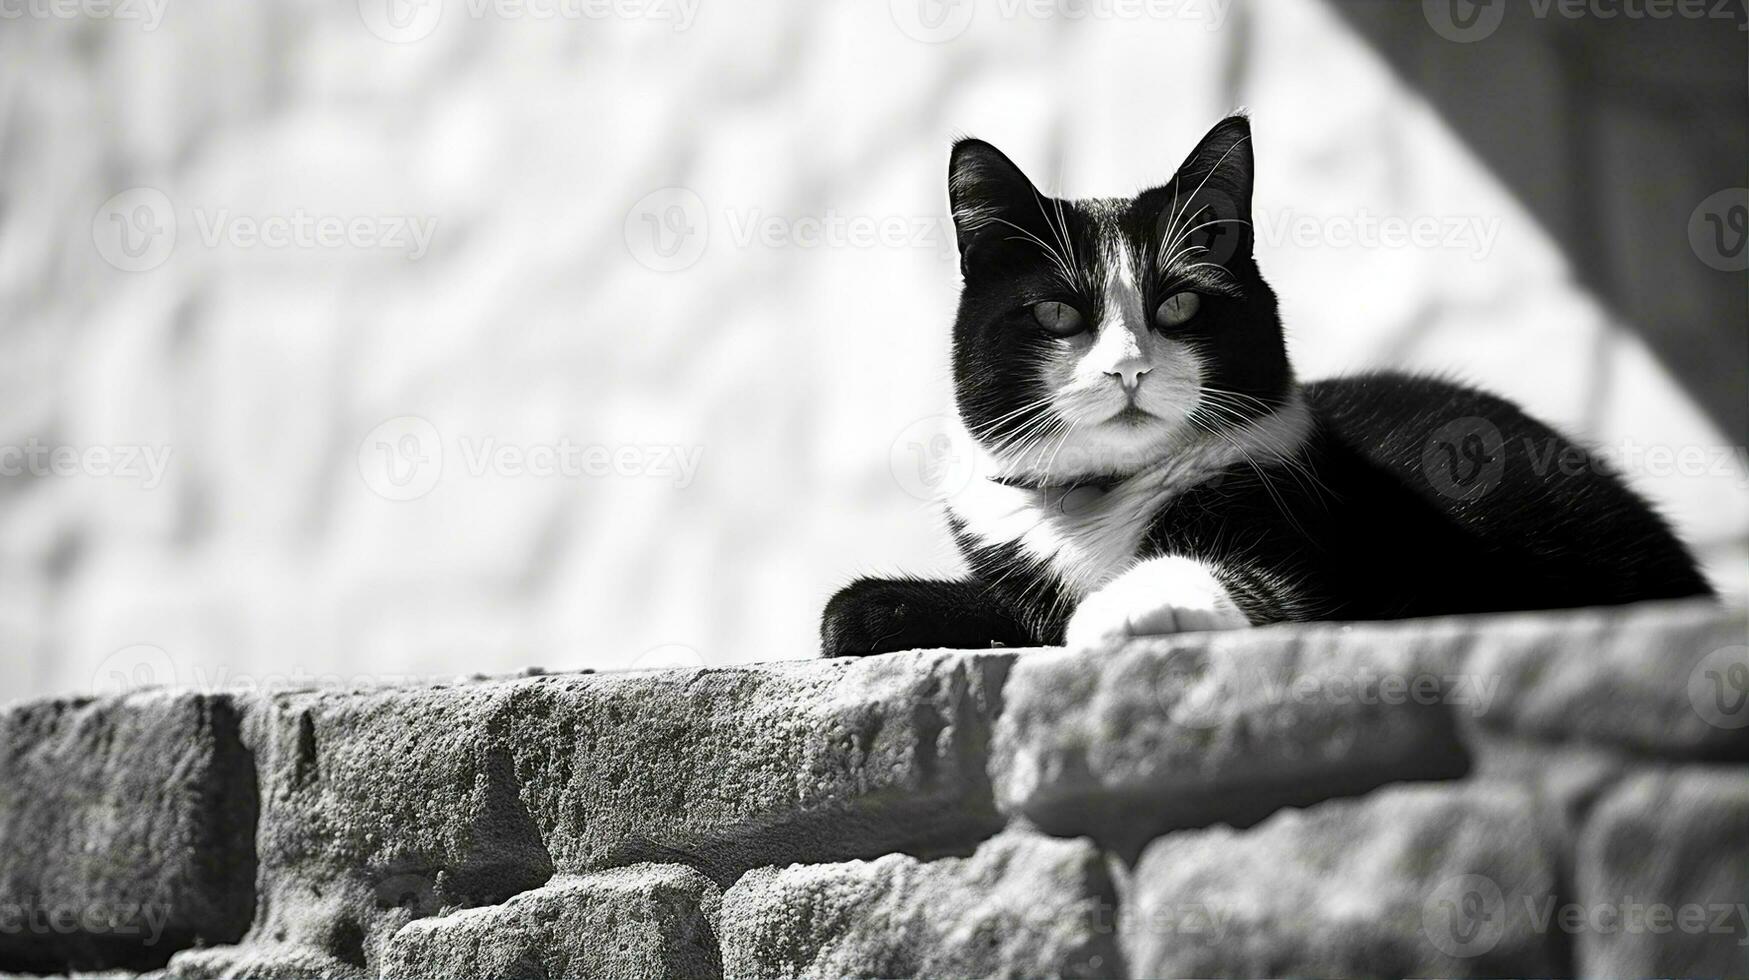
(1096, 337)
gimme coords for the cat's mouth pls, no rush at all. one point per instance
(1131, 415)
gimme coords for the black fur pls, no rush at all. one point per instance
(1411, 497)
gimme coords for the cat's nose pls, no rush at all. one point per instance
(1129, 374)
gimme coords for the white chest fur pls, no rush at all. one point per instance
(1086, 537)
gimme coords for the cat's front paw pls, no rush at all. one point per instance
(1158, 596)
(868, 616)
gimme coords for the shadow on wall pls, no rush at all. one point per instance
(1625, 133)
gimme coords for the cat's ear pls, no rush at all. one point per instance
(988, 194)
(1209, 200)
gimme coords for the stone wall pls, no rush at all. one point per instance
(1533, 794)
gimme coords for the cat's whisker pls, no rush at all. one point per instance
(1063, 267)
(1189, 231)
(1030, 406)
(1204, 182)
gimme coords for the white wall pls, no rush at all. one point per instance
(540, 312)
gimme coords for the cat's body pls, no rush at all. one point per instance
(1175, 476)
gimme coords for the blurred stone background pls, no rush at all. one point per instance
(299, 299)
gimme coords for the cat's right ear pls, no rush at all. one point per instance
(989, 196)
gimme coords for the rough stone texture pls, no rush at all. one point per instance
(1204, 728)
(582, 824)
(1228, 727)
(1023, 905)
(126, 830)
(1663, 877)
(626, 924)
(1636, 678)
(1412, 881)
(381, 807)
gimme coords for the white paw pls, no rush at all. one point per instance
(1161, 595)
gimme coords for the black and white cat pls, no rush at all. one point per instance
(1147, 462)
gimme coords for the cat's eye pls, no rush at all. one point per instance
(1059, 318)
(1178, 308)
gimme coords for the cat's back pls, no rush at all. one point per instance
(1496, 473)
(1457, 443)
(1391, 416)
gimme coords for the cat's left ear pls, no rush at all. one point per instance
(1208, 202)
(991, 198)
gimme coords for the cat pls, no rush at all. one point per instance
(1144, 460)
